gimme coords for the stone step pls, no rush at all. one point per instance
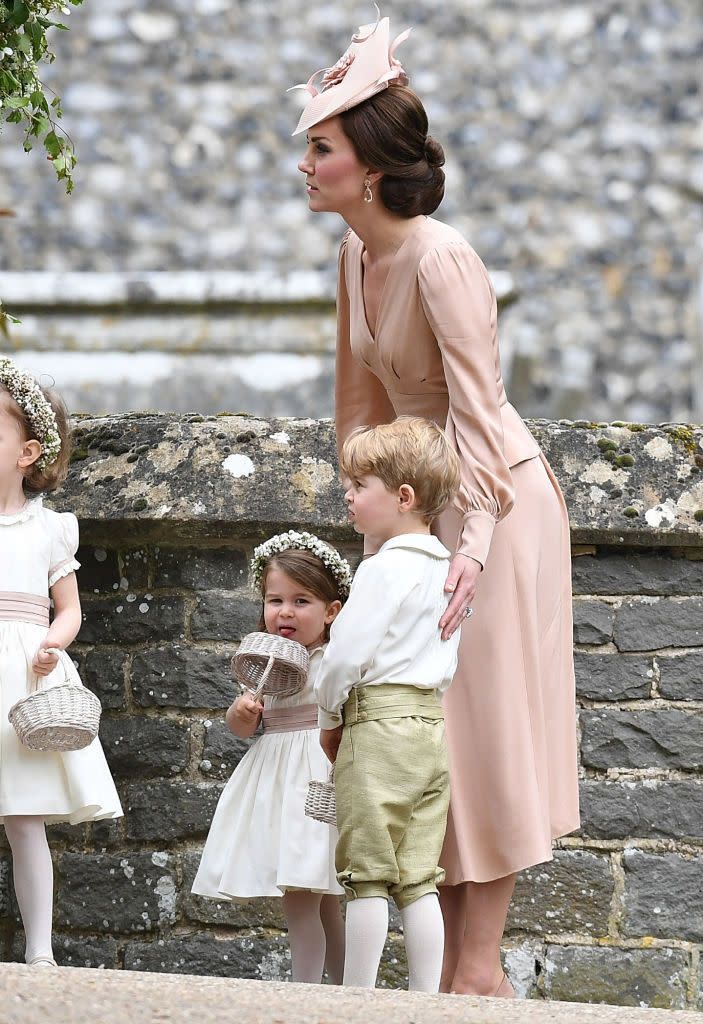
(80, 996)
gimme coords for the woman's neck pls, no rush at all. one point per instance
(12, 497)
(381, 231)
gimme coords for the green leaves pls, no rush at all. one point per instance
(23, 45)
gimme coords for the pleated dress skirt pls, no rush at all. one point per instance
(510, 712)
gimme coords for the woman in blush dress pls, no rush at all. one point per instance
(417, 335)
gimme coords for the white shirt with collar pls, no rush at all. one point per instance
(388, 632)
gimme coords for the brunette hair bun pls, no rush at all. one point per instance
(389, 133)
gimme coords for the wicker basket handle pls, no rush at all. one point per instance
(37, 681)
(256, 693)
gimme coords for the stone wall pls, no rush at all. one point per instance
(170, 509)
(575, 163)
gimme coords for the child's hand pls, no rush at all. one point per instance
(330, 740)
(45, 661)
(244, 715)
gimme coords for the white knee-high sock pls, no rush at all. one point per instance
(423, 928)
(33, 875)
(306, 936)
(366, 931)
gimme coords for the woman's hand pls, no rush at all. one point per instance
(461, 582)
(244, 715)
(330, 740)
(45, 660)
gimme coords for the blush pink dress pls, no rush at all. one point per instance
(510, 711)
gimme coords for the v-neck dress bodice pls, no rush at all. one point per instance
(435, 333)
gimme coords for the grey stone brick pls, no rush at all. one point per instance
(123, 621)
(593, 622)
(5, 885)
(249, 914)
(102, 672)
(651, 809)
(629, 573)
(184, 677)
(572, 893)
(118, 893)
(70, 951)
(659, 622)
(681, 675)
(200, 569)
(99, 571)
(612, 676)
(665, 738)
(663, 895)
(139, 746)
(222, 751)
(135, 568)
(199, 953)
(225, 616)
(622, 977)
(170, 810)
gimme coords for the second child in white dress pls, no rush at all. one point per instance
(260, 842)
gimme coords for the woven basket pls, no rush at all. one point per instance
(61, 717)
(270, 664)
(321, 801)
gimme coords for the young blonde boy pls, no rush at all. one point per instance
(379, 694)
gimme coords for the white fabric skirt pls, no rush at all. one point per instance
(261, 842)
(74, 786)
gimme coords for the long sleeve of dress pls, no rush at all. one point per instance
(460, 306)
(360, 397)
(356, 634)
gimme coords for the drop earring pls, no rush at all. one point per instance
(368, 194)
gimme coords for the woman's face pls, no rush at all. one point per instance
(334, 175)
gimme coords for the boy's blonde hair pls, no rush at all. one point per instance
(411, 450)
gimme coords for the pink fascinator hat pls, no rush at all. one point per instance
(368, 66)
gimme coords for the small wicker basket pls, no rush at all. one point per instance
(270, 664)
(56, 718)
(321, 801)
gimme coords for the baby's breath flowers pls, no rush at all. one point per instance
(338, 566)
(30, 398)
(23, 100)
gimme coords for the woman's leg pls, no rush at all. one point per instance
(479, 970)
(452, 900)
(33, 875)
(333, 925)
(306, 936)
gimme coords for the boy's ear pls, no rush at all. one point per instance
(406, 497)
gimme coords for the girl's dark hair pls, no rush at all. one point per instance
(37, 481)
(389, 133)
(308, 571)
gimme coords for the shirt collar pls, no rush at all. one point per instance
(427, 543)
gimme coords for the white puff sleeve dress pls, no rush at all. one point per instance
(37, 549)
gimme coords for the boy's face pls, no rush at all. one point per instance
(377, 512)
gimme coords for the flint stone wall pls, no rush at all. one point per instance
(170, 509)
(574, 162)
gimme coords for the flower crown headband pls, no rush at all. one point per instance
(332, 560)
(24, 390)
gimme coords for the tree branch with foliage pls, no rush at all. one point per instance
(23, 96)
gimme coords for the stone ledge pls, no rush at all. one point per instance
(232, 476)
(42, 289)
(84, 996)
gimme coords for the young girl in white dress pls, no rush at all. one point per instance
(37, 559)
(260, 841)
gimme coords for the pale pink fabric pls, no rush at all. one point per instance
(511, 721)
